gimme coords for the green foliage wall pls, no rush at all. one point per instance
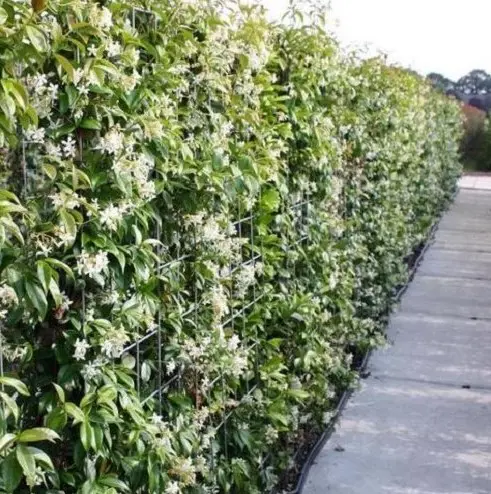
(202, 216)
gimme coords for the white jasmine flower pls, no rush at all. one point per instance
(185, 470)
(65, 302)
(35, 136)
(194, 220)
(172, 488)
(114, 343)
(245, 279)
(92, 50)
(38, 83)
(233, 343)
(156, 419)
(112, 142)
(219, 303)
(81, 347)
(201, 416)
(94, 207)
(53, 90)
(92, 264)
(111, 217)
(271, 434)
(64, 237)
(113, 49)
(52, 149)
(89, 315)
(211, 230)
(170, 366)
(147, 190)
(8, 297)
(91, 370)
(111, 298)
(102, 18)
(78, 76)
(69, 147)
(83, 89)
(153, 129)
(65, 199)
(239, 365)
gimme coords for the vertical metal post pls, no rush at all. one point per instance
(159, 321)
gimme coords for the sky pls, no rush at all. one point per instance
(443, 36)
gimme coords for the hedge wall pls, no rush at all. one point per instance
(203, 217)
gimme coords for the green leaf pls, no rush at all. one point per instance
(12, 228)
(17, 91)
(50, 170)
(11, 473)
(37, 434)
(44, 274)
(11, 405)
(37, 297)
(60, 392)
(55, 292)
(3, 16)
(7, 105)
(75, 412)
(9, 196)
(146, 372)
(15, 383)
(299, 394)
(128, 361)
(90, 123)
(56, 419)
(37, 38)
(113, 481)
(107, 67)
(6, 440)
(69, 223)
(86, 434)
(270, 200)
(61, 265)
(107, 393)
(67, 66)
(26, 460)
(41, 457)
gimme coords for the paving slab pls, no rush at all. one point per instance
(436, 349)
(445, 296)
(421, 422)
(457, 264)
(476, 181)
(400, 437)
(458, 240)
(467, 222)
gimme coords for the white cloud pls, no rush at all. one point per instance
(428, 35)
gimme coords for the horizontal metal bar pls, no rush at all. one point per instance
(241, 402)
(254, 345)
(243, 220)
(161, 389)
(243, 310)
(143, 11)
(300, 204)
(141, 340)
(175, 261)
(300, 240)
(245, 264)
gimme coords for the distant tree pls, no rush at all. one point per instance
(475, 82)
(441, 82)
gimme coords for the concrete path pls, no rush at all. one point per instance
(421, 422)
